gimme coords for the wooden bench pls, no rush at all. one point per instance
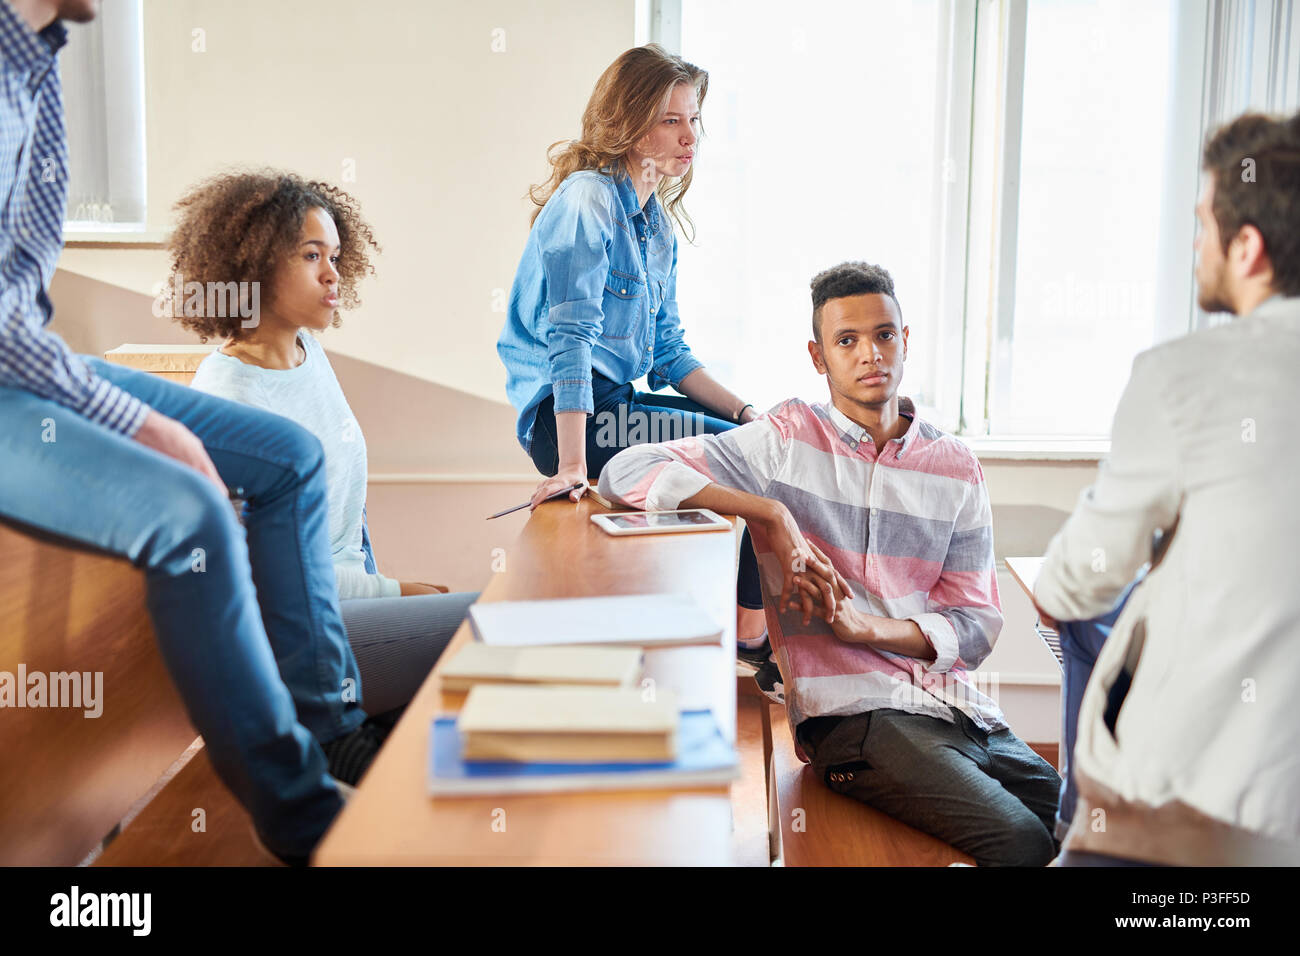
(815, 826)
(68, 779)
(131, 778)
(176, 363)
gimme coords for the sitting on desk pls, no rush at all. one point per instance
(886, 520)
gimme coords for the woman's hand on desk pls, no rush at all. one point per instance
(410, 588)
(565, 478)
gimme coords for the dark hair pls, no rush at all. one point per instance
(1255, 162)
(239, 227)
(845, 279)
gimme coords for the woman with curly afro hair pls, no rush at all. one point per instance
(292, 252)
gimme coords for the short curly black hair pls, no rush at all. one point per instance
(238, 227)
(845, 279)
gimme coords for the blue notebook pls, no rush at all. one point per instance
(704, 758)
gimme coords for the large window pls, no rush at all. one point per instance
(822, 143)
(1024, 168)
(1098, 143)
(103, 89)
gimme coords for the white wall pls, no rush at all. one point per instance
(406, 105)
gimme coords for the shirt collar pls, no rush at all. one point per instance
(627, 193)
(854, 434)
(24, 50)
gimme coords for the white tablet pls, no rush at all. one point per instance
(661, 522)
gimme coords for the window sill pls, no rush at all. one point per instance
(1035, 448)
(122, 238)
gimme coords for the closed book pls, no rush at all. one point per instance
(477, 663)
(567, 724)
(704, 758)
(600, 500)
(641, 620)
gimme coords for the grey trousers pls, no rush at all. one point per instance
(988, 795)
(397, 640)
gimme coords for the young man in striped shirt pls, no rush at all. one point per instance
(874, 529)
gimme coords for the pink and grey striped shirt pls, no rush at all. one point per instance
(909, 527)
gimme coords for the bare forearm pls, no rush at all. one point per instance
(701, 387)
(571, 436)
(724, 500)
(571, 431)
(899, 637)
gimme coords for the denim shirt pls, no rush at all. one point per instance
(596, 288)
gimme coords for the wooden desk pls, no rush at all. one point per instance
(560, 553)
(1025, 571)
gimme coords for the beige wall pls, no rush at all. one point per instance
(404, 104)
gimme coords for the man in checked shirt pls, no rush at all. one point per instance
(130, 464)
(874, 529)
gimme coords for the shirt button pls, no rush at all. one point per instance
(853, 444)
(874, 512)
(622, 291)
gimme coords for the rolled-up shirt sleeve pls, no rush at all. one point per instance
(963, 615)
(357, 583)
(659, 477)
(1108, 538)
(36, 360)
(673, 357)
(574, 243)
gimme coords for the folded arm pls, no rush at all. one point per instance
(963, 616)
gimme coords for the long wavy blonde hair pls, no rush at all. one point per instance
(628, 100)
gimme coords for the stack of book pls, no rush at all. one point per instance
(556, 702)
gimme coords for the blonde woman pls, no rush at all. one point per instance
(594, 301)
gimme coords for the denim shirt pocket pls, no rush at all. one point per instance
(625, 296)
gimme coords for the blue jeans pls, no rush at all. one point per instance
(1081, 642)
(659, 417)
(262, 684)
